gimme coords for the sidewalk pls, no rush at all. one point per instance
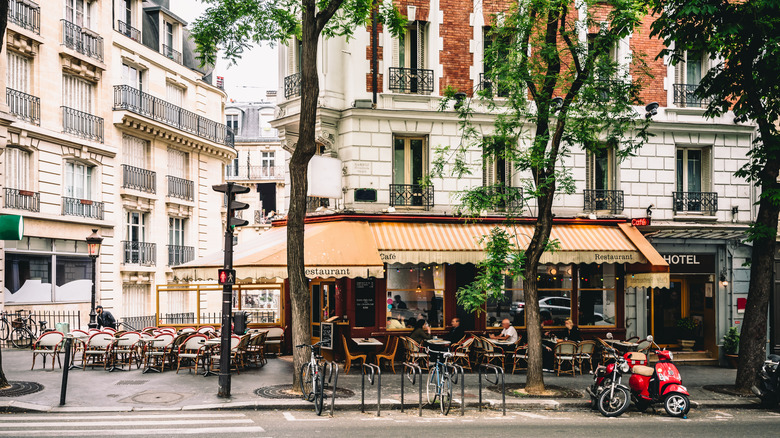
(100, 391)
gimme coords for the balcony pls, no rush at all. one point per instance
(139, 179)
(131, 99)
(292, 85)
(233, 173)
(411, 81)
(139, 253)
(24, 106)
(705, 203)
(129, 31)
(178, 254)
(169, 52)
(684, 97)
(82, 124)
(180, 188)
(260, 219)
(22, 200)
(411, 195)
(82, 208)
(82, 40)
(25, 14)
(486, 84)
(503, 198)
(604, 200)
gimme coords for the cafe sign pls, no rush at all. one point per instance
(690, 263)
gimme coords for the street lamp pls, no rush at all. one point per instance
(93, 248)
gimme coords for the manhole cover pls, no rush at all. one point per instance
(285, 391)
(19, 389)
(131, 382)
(158, 397)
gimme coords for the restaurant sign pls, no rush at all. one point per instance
(690, 263)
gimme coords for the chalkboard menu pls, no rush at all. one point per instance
(365, 303)
(326, 335)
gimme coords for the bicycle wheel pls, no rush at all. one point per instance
(445, 398)
(306, 387)
(319, 384)
(5, 329)
(22, 338)
(432, 388)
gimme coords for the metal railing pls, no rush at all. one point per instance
(52, 318)
(505, 198)
(178, 254)
(181, 188)
(411, 80)
(25, 14)
(136, 101)
(253, 172)
(82, 124)
(138, 323)
(24, 106)
(292, 85)
(169, 52)
(684, 96)
(598, 200)
(411, 195)
(486, 84)
(695, 202)
(82, 40)
(82, 207)
(139, 179)
(179, 318)
(315, 202)
(139, 253)
(260, 218)
(22, 200)
(129, 31)
(372, 371)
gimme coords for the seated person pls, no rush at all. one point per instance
(508, 334)
(421, 332)
(547, 318)
(393, 323)
(571, 332)
(456, 333)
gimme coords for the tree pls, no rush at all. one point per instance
(541, 49)
(3, 24)
(742, 39)
(235, 25)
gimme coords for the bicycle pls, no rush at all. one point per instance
(21, 329)
(440, 381)
(312, 378)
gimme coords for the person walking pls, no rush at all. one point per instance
(105, 318)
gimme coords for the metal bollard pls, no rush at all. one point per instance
(374, 370)
(65, 369)
(333, 371)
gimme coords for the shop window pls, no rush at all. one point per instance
(509, 306)
(415, 292)
(263, 305)
(555, 290)
(597, 293)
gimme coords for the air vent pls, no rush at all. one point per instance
(365, 195)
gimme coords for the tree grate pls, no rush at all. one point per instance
(19, 389)
(286, 392)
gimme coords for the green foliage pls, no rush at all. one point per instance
(731, 341)
(688, 323)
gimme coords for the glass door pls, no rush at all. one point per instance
(667, 306)
(323, 303)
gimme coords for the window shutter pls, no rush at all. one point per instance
(292, 47)
(396, 52)
(420, 44)
(706, 169)
(679, 71)
(508, 172)
(589, 161)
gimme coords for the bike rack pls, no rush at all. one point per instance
(496, 370)
(373, 370)
(457, 370)
(331, 369)
(414, 371)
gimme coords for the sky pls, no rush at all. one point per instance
(251, 76)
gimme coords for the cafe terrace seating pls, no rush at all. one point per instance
(275, 339)
(125, 349)
(389, 353)
(414, 353)
(585, 350)
(98, 349)
(565, 352)
(255, 351)
(157, 352)
(492, 353)
(349, 357)
(461, 354)
(191, 351)
(214, 354)
(48, 344)
(520, 358)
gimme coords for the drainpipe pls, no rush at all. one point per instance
(374, 54)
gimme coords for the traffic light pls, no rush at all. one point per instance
(231, 190)
(227, 276)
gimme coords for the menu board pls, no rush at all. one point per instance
(326, 335)
(365, 303)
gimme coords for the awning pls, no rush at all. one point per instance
(332, 249)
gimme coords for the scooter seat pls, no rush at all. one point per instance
(643, 370)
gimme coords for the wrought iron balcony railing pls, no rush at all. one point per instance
(139, 253)
(181, 188)
(82, 124)
(82, 40)
(82, 207)
(24, 106)
(411, 80)
(139, 179)
(253, 172)
(505, 199)
(600, 200)
(260, 218)
(684, 96)
(129, 31)
(695, 202)
(22, 200)
(25, 14)
(315, 202)
(178, 254)
(292, 85)
(131, 99)
(486, 84)
(411, 195)
(169, 52)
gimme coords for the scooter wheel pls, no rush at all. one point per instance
(677, 405)
(612, 403)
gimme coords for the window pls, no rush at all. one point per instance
(232, 168)
(135, 300)
(497, 174)
(136, 226)
(78, 180)
(18, 73)
(600, 169)
(509, 306)
(267, 160)
(128, 7)
(693, 170)
(416, 292)
(134, 151)
(177, 163)
(263, 305)
(133, 77)
(597, 289)
(409, 50)
(175, 94)
(232, 122)
(409, 160)
(691, 70)
(17, 168)
(176, 231)
(168, 37)
(488, 41)
(77, 93)
(294, 53)
(79, 12)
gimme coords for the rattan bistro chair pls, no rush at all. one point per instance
(462, 353)
(389, 353)
(565, 351)
(48, 344)
(492, 352)
(585, 350)
(520, 358)
(97, 349)
(191, 350)
(349, 357)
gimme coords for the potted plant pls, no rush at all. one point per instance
(731, 346)
(687, 329)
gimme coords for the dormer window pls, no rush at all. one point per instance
(232, 121)
(171, 40)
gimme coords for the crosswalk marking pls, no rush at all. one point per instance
(138, 432)
(129, 423)
(125, 417)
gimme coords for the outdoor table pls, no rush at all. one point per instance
(76, 341)
(368, 345)
(622, 345)
(210, 345)
(147, 343)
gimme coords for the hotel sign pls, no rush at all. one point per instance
(690, 263)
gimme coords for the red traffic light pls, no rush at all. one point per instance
(227, 276)
(640, 222)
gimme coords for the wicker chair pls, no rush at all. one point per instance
(585, 351)
(157, 352)
(565, 351)
(389, 353)
(492, 352)
(255, 353)
(125, 349)
(462, 353)
(519, 356)
(192, 349)
(415, 353)
(48, 344)
(349, 357)
(97, 349)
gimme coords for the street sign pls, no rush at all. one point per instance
(227, 276)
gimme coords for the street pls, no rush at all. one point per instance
(289, 423)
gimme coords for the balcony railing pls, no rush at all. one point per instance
(169, 52)
(178, 255)
(136, 101)
(315, 202)
(411, 195)
(684, 97)
(24, 106)
(82, 124)
(411, 80)
(260, 218)
(292, 85)
(180, 188)
(486, 84)
(139, 253)
(82, 207)
(22, 200)
(129, 31)
(25, 14)
(253, 172)
(82, 40)
(505, 199)
(695, 202)
(600, 200)
(139, 179)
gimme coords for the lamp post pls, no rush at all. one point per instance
(93, 248)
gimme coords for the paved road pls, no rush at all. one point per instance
(703, 422)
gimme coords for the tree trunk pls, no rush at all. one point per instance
(3, 24)
(3, 381)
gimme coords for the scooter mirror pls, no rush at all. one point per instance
(609, 335)
(650, 338)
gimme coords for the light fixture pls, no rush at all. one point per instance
(460, 98)
(649, 211)
(723, 281)
(556, 104)
(93, 249)
(553, 271)
(652, 109)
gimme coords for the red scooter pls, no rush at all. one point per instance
(660, 383)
